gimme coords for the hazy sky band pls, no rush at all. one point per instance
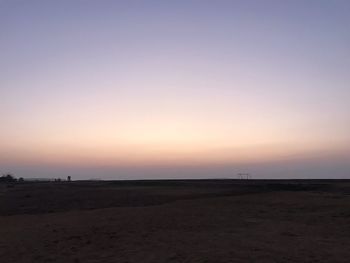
(136, 83)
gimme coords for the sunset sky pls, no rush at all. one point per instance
(175, 89)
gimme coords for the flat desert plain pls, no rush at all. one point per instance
(176, 221)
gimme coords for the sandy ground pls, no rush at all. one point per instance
(176, 221)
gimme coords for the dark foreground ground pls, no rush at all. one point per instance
(176, 221)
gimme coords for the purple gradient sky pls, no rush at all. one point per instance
(160, 89)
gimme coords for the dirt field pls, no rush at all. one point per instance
(176, 221)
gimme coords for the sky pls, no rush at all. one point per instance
(175, 89)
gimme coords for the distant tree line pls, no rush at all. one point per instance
(9, 178)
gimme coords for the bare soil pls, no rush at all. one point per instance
(176, 221)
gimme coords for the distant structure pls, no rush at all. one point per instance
(69, 178)
(244, 176)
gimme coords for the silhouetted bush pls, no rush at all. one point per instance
(7, 178)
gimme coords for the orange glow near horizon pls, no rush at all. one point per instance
(167, 131)
(161, 143)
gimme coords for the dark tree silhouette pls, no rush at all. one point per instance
(7, 178)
